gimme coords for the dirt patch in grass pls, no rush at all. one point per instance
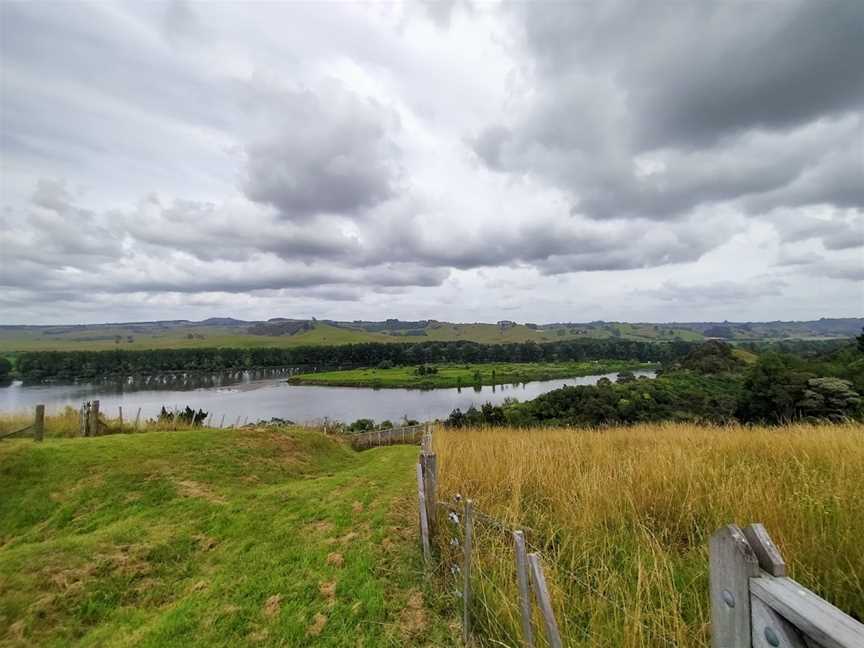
(327, 589)
(189, 488)
(321, 526)
(357, 507)
(335, 559)
(412, 619)
(318, 623)
(272, 605)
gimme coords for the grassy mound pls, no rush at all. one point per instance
(209, 538)
(623, 516)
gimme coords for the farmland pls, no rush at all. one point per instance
(461, 375)
(236, 334)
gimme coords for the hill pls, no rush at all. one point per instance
(282, 332)
(210, 538)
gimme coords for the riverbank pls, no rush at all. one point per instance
(443, 376)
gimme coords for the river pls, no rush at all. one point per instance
(254, 396)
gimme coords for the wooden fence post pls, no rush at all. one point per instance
(137, 417)
(429, 461)
(468, 547)
(732, 564)
(768, 629)
(85, 417)
(120, 408)
(524, 594)
(93, 427)
(544, 601)
(39, 423)
(424, 521)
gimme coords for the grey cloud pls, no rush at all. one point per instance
(328, 151)
(757, 105)
(725, 292)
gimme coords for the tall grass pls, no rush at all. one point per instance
(67, 423)
(622, 518)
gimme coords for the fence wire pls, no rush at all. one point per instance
(454, 519)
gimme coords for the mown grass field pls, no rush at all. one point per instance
(462, 375)
(211, 538)
(622, 518)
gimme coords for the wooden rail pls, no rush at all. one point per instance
(755, 605)
(411, 434)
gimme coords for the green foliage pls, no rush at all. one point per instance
(5, 368)
(65, 365)
(712, 357)
(829, 398)
(671, 397)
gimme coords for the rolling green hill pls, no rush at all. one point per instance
(211, 538)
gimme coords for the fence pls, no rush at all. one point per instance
(753, 603)
(408, 434)
(35, 429)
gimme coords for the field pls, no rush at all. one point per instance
(155, 335)
(622, 518)
(461, 375)
(211, 538)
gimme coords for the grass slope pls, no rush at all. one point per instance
(622, 517)
(461, 375)
(210, 538)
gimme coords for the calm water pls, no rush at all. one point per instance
(254, 396)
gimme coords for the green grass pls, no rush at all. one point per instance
(462, 375)
(210, 538)
(176, 336)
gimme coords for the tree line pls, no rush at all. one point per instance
(64, 365)
(709, 385)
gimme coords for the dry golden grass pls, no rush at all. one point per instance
(623, 517)
(67, 423)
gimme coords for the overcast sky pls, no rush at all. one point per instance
(638, 161)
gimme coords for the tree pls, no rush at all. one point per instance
(860, 339)
(773, 389)
(5, 368)
(829, 398)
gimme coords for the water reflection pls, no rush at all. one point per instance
(264, 394)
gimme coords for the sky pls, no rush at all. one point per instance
(455, 160)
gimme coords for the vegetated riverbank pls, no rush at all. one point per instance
(437, 376)
(256, 537)
(622, 517)
(71, 365)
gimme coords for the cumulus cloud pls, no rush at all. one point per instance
(430, 159)
(651, 111)
(325, 151)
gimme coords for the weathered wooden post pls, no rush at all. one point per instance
(544, 601)
(137, 418)
(732, 564)
(222, 422)
(424, 521)
(120, 408)
(39, 424)
(524, 593)
(429, 461)
(93, 427)
(85, 418)
(467, 546)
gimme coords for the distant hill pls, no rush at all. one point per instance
(282, 331)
